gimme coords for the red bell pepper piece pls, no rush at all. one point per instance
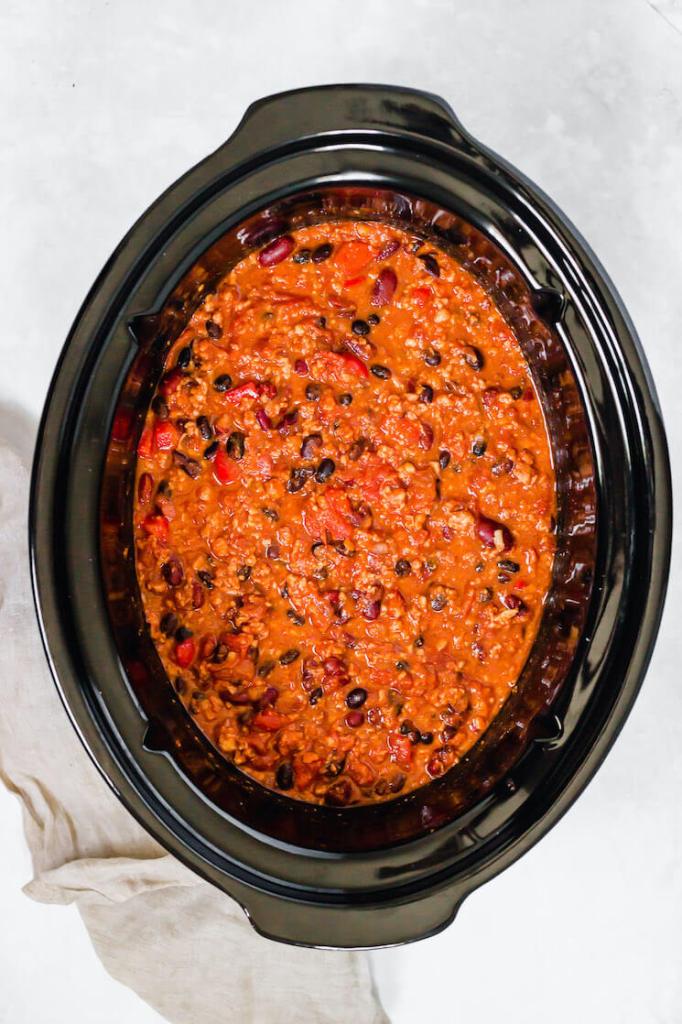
(157, 526)
(166, 435)
(185, 652)
(225, 469)
(145, 445)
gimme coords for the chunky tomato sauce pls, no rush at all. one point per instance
(344, 513)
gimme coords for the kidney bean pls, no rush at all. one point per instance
(173, 572)
(334, 666)
(145, 486)
(371, 610)
(310, 445)
(288, 421)
(513, 602)
(389, 249)
(263, 420)
(384, 287)
(494, 534)
(301, 367)
(276, 251)
(197, 595)
(402, 567)
(354, 719)
(444, 459)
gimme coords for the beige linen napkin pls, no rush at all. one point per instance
(184, 947)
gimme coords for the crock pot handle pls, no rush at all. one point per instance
(350, 927)
(323, 112)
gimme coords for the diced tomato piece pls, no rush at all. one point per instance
(170, 382)
(420, 296)
(185, 652)
(145, 445)
(400, 748)
(352, 282)
(249, 389)
(157, 526)
(166, 435)
(331, 513)
(225, 469)
(353, 256)
(269, 720)
(305, 772)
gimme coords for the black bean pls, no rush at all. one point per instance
(164, 488)
(288, 657)
(204, 428)
(382, 372)
(516, 393)
(322, 322)
(211, 451)
(502, 467)
(373, 320)
(244, 573)
(180, 684)
(310, 445)
(183, 633)
(235, 445)
(360, 327)
(426, 738)
(160, 407)
(431, 357)
(265, 669)
(473, 357)
(205, 578)
(272, 551)
(419, 642)
(223, 382)
(169, 623)
(302, 256)
(426, 394)
(485, 595)
(284, 776)
(430, 566)
(214, 330)
(438, 488)
(479, 447)
(444, 459)
(402, 567)
(298, 620)
(409, 729)
(339, 793)
(438, 601)
(322, 253)
(172, 572)
(184, 357)
(324, 470)
(430, 264)
(298, 477)
(402, 666)
(357, 697)
(345, 398)
(313, 392)
(507, 565)
(271, 514)
(189, 466)
(315, 695)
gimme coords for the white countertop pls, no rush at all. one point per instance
(103, 104)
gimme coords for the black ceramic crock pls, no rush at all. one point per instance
(364, 876)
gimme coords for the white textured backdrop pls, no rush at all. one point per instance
(102, 105)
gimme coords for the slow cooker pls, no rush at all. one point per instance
(396, 871)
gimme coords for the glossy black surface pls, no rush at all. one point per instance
(363, 876)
